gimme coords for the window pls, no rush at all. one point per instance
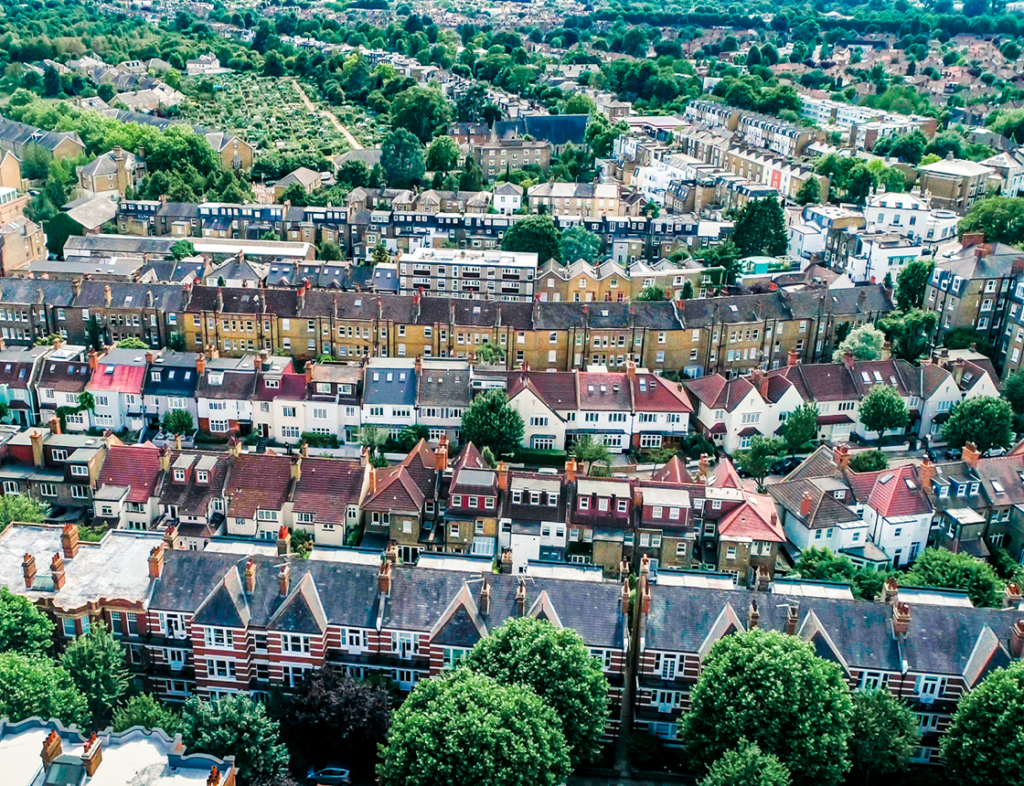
(220, 638)
(220, 668)
(47, 490)
(80, 470)
(68, 625)
(293, 642)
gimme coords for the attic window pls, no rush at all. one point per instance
(997, 487)
(216, 379)
(864, 376)
(910, 484)
(734, 309)
(358, 302)
(604, 312)
(170, 375)
(376, 376)
(401, 377)
(273, 383)
(643, 386)
(391, 377)
(878, 377)
(188, 375)
(109, 371)
(885, 478)
(7, 367)
(476, 309)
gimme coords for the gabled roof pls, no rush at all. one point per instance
(258, 481)
(460, 624)
(898, 492)
(754, 520)
(655, 394)
(327, 487)
(133, 466)
(557, 390)
(673, 472)
(302, 610)
(226, 606)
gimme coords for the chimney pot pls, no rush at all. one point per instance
(171, 536)
(890, 591)
(384, 577)
(485, 597)
(57, 572)
(1011, 596)
(250, 576)
(521, 599)
(900, 619)
(570, 471)
(792, 357)
(213, 779)
(753, 616)
(284, 540)
(1017, 639)
(841, 456)
(28, 569)
(55, 425)
(156, 561)
(69, 541)
(52, 749)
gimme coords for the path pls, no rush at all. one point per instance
(329, 115)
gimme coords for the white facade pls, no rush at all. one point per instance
(879, 256)
(543, 428)
(909, 216)
(902, 538)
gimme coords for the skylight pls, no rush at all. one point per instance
(885, 478)
(997, 487)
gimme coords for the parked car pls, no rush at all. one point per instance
(932, 454)
(785, 466)
(954, 454)
(329, 775)
(994, 453)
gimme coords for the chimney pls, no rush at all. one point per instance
(521, 598)
(625, 596)
(753, 616)
(631, 370)
(171, 537)
(54, 425)
(570, 471)
(283, 578)
(57, 572)
(982, 250)
(841, 456)
(37, 447)
(848, 359)
(250, 576)
(645, 599)
(926, 472)
(418, 365)
(156, 561)
(972, 239)
(373, 480)
(177, 442)
(805, 505)
(76, 287)
(502, 476)
(760, 381)
(703, 468)
(309, 373)
(890, 591)
(69, 541)
(792, 357)
(1017, 639)
(1011, 596)
(92, 755)
(391, 553)
(792, 617)
(213, 779)
(108, 296)
(958, 371)
(284, 542)
(1017, 267)
(384, 576)
(57, 342)
(900, 619)
(165, 459)
(506, 560)
(28, 568)
(441, 454)
(297, 468)
(304, 451)
(150, 358)
(485, 597)
(94, 359)
(200, 364)
(971, 455)
(52, 749)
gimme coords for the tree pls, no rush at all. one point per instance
(773, 690)
(181, 249)
(442, 155)
(1013, 391)
(1009, 123)
(1000, 219)
(579, 243)
(687, 291)
(489, 421)
(654, 294)
(178, 421)
(32, 685)
(884, 733)
(984, 420)
(883, 409)
(980, 746)
(556, 664)
(145, 711)
(942, 568)
(21, 508)
(809, 192)
(354, 173)
(490, 354)
(331, 715)
(466, 729)
(860, 183)
(410, 436)
(132, 343)
(372, 438)
(422, 111)
(536, 234)
(824, 565)
(757, 460)
(23, 627)
(801, 428)
(472, 177)
(869, 461)
(911, 283)
(95, 663)
(747, 766)
(176, 341)
(402, 159)
(58, 230)
(760, 229)
(380, 254)
(235, 725)
(591, 452)
(909, 332)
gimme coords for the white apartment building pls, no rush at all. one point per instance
(910, 216)
(489, 274)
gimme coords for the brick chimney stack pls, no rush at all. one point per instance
(890, 591)
(502, 476)
(156, 561)
(284, 542)
(792, 617)
(805, 505)
(250, 576)
(645, 598)
(54, 425)
(625, 596)
(441, 454)
(1017, 639)
(57, 572)
(28, 568)
(506, 560)
(52, 749)
(36, 437)
(1011, 596)
(200, 364)
(171, 536)
(92, 756)
(69, 541)
(384, 577)
(753, 616)
(792, 357)
(284, 579)
(900, 620)
(841, 456)
(926, 472)
(521, 599)
(485, 597)
(570, 471)
(971, 455)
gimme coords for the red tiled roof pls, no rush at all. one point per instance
(755, 519)
(135, 466)
(124, 379)
(718, 428)
(600, 391)
(708, 390)
(258, 480)
(292, 386)
(327, 487)
(673, 472)
(749, 431)
(556, 389)
(726, 476)
(892, 496)
(658, 395)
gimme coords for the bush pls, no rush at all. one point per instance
(315, 440)
(540, 458)
(302, 541)
(869, 461)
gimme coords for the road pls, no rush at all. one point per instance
(329, 115)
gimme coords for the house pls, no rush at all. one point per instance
(470, 521)
(172, 380)
(62, 378)
(729, 412)
(954, 184)
(389, 393)
(224, 395)
(22, 246)
(18, 138)
(575, 199)
(443, 393)
(194, 496)
(110, 172)
(19, 369)
(233, 151)
(605, 410)
(599, 515)
(532, 524)
(508, 198)
(548, 403)
(116, 388)
(260, 486)
(128, 487)
(10, 171)
(57, 469)
(204, 64)
(333, 399)
(278, 411)
(306, 179)
(325, 499)
(660, 410)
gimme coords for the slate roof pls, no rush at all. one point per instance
(239, 380)
(400, 389)
(178, 375)
(440, 386)
(64, 375)
(19, 134)
(781, 305)
(16, 366)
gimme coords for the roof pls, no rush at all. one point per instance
(192, 498)
(754, 520)
(604, 391)
(327, 487)
(122, 370)
(557, 389)
(389, 382)
(136, 467)
(898, 492)
(654, 394)
(258, 481)
(443, 384)
(172, 374)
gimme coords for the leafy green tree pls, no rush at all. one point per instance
(911, 283)
(884, 734)
(442, 155)
(865, 343)
(824, 565)
(801, 428)
(238, 726)
(354, 173)
(909, 332)
(883, 409)
(465, 729)
(380, 254)
(747, 766)
(372, 438)
(984, 420)
(95, 663)
(410, 437)
(422, 111)
(1000, 219)
(579, 243)
(472, 177)
(132, 343)
(23, 627)
(1013, 391)
(757, 460)
(145, 711)
(980, 747)
(402, 159)
(868, 461)
(654, 294)
(32, 685)
(537, 234)
(809, 192)
(176, 341)
(760, 228)
(490, 354)
(860, 184)
(687, 291)
(590, 452)
(469, 107)
(178, 421)
(489, 421)
(556, 664)
(21, 508)
(181, 249)
(1009, 123)
(774, 691)
(58, 230)
(941, 568)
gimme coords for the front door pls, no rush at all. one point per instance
(264, 430)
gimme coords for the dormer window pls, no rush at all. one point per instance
(840, 494)
(974, 488)
(216, 378)
(584, 503)
(457, 501)
(272, 384)
(517, 497)
(154, 375)
(202, 476)
(323, 387)
(534, 497)
(179, 476)
(80, 470)
(473, 502)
